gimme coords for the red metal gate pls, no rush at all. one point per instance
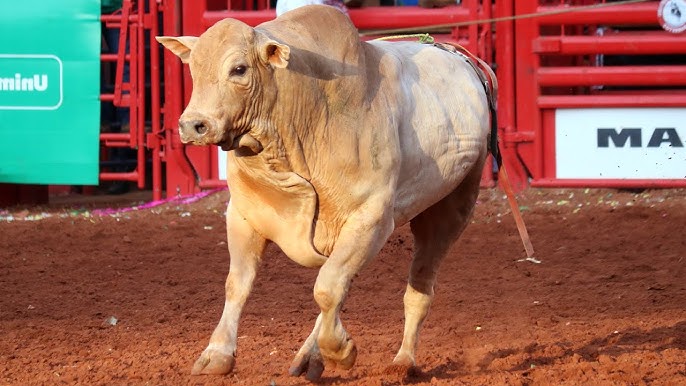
(138, 24)
(579, 98)
(592, 92)
(559, 62)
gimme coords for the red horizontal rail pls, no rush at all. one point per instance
(642, 13)
(125, 98)
(608, 183)
(116, 18)
(113, 57)
(624, 100)
(117, 144)
(210, 184)
(364, 18)
(110, 176)
(407, 17)
(115, 136)
(116, 139)
(630, 44)
(251, 18)
(613, 76)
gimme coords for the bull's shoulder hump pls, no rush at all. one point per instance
(311, 26)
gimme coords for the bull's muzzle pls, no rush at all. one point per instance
(194, 129)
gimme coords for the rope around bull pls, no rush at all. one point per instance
(426, 38)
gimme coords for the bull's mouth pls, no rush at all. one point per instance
(245, 144)
(228, 142)
(226, 145)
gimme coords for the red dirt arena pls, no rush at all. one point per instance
(131, 297)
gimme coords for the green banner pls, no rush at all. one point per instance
(50, 91)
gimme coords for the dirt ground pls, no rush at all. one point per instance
(131, 297)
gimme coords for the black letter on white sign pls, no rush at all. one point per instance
(665, 134)
(619, 138)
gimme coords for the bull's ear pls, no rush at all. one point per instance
(181, 46)
(275, 53)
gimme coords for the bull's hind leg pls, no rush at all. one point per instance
(245, 248)
(434, 231)
(309, 360)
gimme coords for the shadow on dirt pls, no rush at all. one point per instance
(415, 375)
(612, 345)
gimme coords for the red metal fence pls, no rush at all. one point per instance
(558, 62)
(585, 71)
(137, 22)
(589, 90)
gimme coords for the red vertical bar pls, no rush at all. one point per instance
(504, 43)
(121, 54)
(198, 157)
(155, 103)
(527, 90)
(134, 96)
(486, 35)
(140, 101)
(548, 144)
(473, 29)
(193, 12)
(172, 67)
(180, 176)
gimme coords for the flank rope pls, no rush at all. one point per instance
(423, 38)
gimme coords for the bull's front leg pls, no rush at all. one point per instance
(245, 247)
(362, 237)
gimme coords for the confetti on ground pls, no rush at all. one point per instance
(107, 212)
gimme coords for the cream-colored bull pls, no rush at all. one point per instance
(333, 143)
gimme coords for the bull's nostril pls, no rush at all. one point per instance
(200, 128)
(194, 129)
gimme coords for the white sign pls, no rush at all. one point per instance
(221, 166)
(620, 143)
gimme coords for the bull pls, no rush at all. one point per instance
(332, 143)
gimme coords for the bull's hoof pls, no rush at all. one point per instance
(403, 365)
(344, 358)
(212, 362)
(311, 365)
(404, 370)
(349, 359)
(403, 360)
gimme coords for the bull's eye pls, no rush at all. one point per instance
(238, 70)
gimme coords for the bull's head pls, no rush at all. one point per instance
(232, 69)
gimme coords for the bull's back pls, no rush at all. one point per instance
(443, 123)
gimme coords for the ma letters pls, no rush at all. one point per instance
(661, 136)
